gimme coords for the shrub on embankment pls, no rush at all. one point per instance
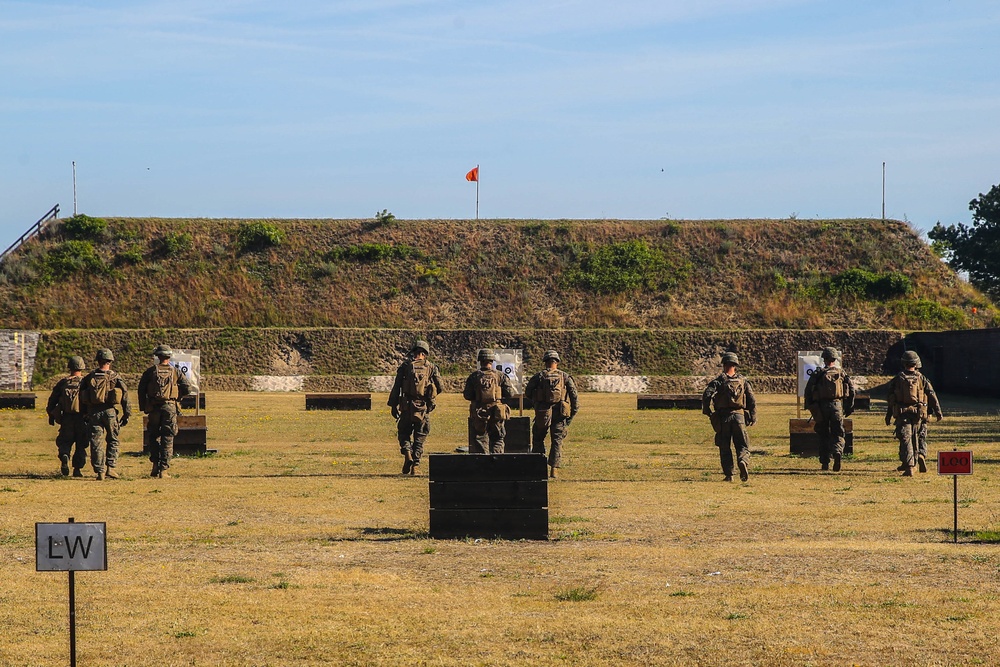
(389, 273)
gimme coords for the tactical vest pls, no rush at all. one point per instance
(551, 387)
(488, 387)
(102, 391)
(910, 389)
(417, 379)
(162, 387)
(69, 398)
(831, 384)
(731, 394)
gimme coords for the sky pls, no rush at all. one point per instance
(638, 109)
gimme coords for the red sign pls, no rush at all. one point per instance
(954, 463)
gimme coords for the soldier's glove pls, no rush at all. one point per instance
(888, 419)
(431, 407)
(751, 421)
(706, 412)
(395, 412)
(123, 422)
(52, 420)
(938, 416)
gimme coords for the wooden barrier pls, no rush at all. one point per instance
(488, 495)
(191, 438)
(862, 402)
(805, 442)
(338, 401)
(17, 400)
(668, 401)
(188, 402)
(515, 402)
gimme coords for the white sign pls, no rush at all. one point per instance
(509, 363)
(807, 364)
(63, 547)
(188, 362)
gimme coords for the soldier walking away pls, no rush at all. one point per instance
(829, 397)
(161, 389)
(64, 409)
(553, 393)
(412, 401)
(911, 400)
(735, 408)
(103, 396)
(484, 389)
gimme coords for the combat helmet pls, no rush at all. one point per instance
(104, 354)
(420, 346)
(830, 354)
(486, 355)
(76, 364)
(910, 358)
(730, 358)
(163, 352)
(551, 354)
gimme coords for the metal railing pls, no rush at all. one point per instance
(33, 231)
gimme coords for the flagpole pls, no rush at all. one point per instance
(477, 192)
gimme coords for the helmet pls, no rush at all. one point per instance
(77, 364)
(104, 354)
(730, 358)
(910, 358)
(163, 351)
(421, 346)
(550, 354)
(486, 355)
(830, 354)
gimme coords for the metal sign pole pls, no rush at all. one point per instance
(955, 531)
(72, 615)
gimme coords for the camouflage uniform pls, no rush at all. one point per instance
(829, 413)
(73, 428)
(486, 419)
(911, 420)
(413, 412)
(162, 411)
(730, 420)
(551, 418)
(103, 416)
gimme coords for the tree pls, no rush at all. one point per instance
(975, 249)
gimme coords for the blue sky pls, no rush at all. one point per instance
(573, 109)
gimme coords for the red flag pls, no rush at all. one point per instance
(473, 175)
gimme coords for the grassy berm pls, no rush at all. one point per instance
(300, 544)
(464, 274)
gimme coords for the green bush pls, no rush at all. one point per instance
(83, 227)
(384, 217)
(929, 313)
(372, 252)
(131, 255)
(68, 258)
(619, 267)
(258, 235)
(173, 243)
(863, 284)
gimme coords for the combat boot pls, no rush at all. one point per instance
(825, 466)
(163, 474)
(922, 463)
(112, 473)
(836, 462)
(100, 476)
(155, 472)
(77, 472)
(907, 472)
(64, 464)
(744, 473)
(729, 477)
(413, 469)
(407, 460)
(901, 467)
(552, 472)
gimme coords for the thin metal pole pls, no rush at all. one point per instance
(72, 615)
(883, 190)
(74, 187)
(955, 532)
(477, 191)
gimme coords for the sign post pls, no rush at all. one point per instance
(71, 546)
(955, 463)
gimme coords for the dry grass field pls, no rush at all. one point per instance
(299, 543)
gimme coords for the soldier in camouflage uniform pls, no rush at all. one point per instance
(161, 389)
(735, 408)
(912, 400)
(484, 390)
(103, 396)
(64, 409)
(412, 401)
(829, 397)
(554, 396)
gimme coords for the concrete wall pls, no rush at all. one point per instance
(957, 362)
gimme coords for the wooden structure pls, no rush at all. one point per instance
(862, 402)
(191, 438)
(489, 496)
(188, 402)
(338, 401)
(17, 400)
(668, 401)
(515, 402)
(805, 442)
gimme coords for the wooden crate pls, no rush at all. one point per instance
(805, 442)
(338, 401)
(17, 400)
(488, 496)
(188, 401)
(668, 401)
(515, 402)
(191, 438)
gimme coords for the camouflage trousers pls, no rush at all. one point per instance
(549, 421)
(829, 416)
(486, 432)
(162, 427)
(103, 430)
(74, 430)
(406, 428)
(731, 427)
(912, 435)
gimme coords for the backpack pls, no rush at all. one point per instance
(551, 387)
(417, 379)
(488, 387)
(163, 385)
(69, 398)
(731, 394)
(100, 388)
(910, 389)
(831, 384)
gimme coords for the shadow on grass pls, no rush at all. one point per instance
(369, 534)
(965, 536)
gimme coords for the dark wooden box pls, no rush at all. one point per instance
(191, 438)
(17, 400)
(338, 401)
(188, 402)
(805, 442)
(668, 401)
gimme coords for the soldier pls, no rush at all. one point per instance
(735, 409)
(911, 400)
(417, 384)
(484, 389)
(64, 409)
(161, 389)
(829, 396)
(103, 395)
(554, 395)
